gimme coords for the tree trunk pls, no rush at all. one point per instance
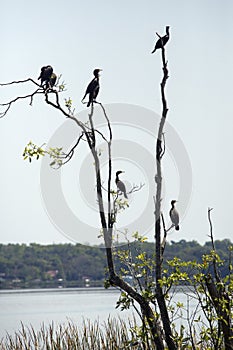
(221, 304)
(159, 153)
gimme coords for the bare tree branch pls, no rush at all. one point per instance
(9, 104)
(39, 90)
(69, 155)
(213, 245)
(135, 188)
(163, 244)
(158, 250)
(20, 82)
(164, 145)
(110, 222)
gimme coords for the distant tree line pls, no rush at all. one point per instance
(70, 265)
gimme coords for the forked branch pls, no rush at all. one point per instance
(8, 105)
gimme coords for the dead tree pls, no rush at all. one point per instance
(107, 214)
(89, 133)
(158, 247)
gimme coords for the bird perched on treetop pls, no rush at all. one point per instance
(45, 75)
(174, 215)
(162, 41)
(52, 80)
(93, 87)
(120, 185)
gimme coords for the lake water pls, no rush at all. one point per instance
(34, 307)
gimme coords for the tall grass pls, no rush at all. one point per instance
(113, 334)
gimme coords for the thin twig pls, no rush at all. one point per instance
(20, 82)
(136, 188)
(9, 104)
(71, 152)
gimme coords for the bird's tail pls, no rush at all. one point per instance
(153, 50)
(125, 195)
(88, 103)
(177, 228)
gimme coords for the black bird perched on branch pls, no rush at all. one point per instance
(162, 41)
(120, 185)
(174, 215)
(93, 88)
(52, 80)
(45, 75)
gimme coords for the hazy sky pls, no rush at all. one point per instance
(75, 37)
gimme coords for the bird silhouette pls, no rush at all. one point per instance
(52, 80)
(120, 185)
(174, 215)
(93, 88)
(45, 75)
(162, 41)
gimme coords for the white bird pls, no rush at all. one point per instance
(174, 215)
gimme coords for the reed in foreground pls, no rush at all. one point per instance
(113, 334)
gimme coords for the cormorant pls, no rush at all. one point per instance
(93, 87)
(162, 41)
(52, 80)
(45, 75)
(120, 185)
(174, 215)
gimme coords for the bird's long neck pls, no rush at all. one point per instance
(117, 178)
(173, 205)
